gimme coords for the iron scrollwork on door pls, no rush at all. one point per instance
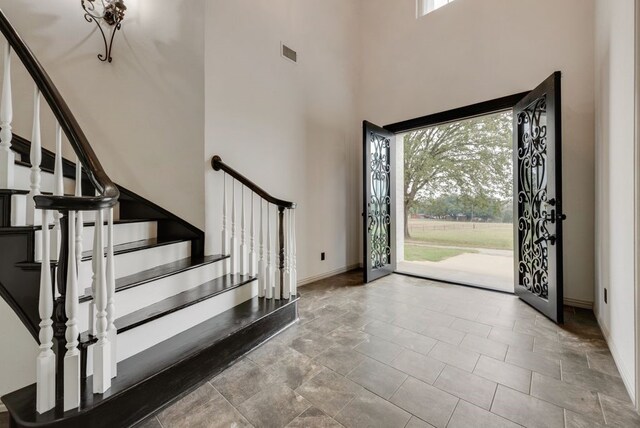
(534, 212)
(379, 204)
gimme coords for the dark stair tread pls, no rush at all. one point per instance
(158, 376)
(159, 272)
(13, 192)
(142, 244)
(176, 302)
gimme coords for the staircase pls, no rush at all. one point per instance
(128, 311)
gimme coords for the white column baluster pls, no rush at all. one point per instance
(287, 246)
(7, 157)
(277, 271)
(102, 349)
(243, 238)
(252, 241)
(294, 263)
(234, 258)
(262, 266)
(36, 157)
(58, 190)
(111, 293)
(46, 363)
(270, 273)
(72, 356)
(225, 231)
(80, 215)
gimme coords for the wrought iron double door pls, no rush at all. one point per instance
(379, 202)
(538, 198)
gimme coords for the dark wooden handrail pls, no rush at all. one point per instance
(108, 192)
(219, 165)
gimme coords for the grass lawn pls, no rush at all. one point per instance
(420, 253)
(496, 236)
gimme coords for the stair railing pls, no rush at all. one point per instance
(276, 235)
(59, 361)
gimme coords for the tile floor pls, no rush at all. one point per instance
(404, 352)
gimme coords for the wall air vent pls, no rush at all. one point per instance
(289, 53)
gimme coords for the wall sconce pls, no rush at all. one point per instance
(110, 12)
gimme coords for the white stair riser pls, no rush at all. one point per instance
(19, 212)
(122, 234)
(23, 180)
(144, 337)
(137, 261)
(136, 298)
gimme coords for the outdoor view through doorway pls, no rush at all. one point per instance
(455, 201)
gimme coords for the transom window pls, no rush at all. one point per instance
(426, 6)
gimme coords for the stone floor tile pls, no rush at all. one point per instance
(311, 344)
(322, 325)
(619, 413)
(414, 341)
(313, 417)
(595, 380)
(341, 359)
(512, 338)
(383, 330)
(425, 401)
(187, 405)
(348, 336)
(417, 423)
(274, 407)
(454, 356)
(472, 327)
(579, 400)
(377, 378)
(526, 410)
(496, 321)
(467, 415)
(293, 369)
(574, 420)
(241, 381)
(469, 387)
(603, 361)
(149, 423)
(329, 391)
(379, 349)
(534, 361)
(559, 351)
(484, 346)
(443, 334)
(370, 411)
(420, 366)
(195, 412)
(504, 373)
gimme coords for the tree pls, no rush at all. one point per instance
(471, 157)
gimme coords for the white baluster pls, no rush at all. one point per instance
(225, 231)
(72, 356)
(94, 278)
(287, 246)
(252, 242)
(293, 268)
(270, 270)
(243, 238)
(46, 363)
(234, 258)
(58, 190)
(80, 215)
(36, 157)
(7, 157)
(262, 266)
(111, 292)
(278, 277)
(102, 349)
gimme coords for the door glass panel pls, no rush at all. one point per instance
(379, 206)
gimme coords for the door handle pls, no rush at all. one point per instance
(553, 217)
(546, 237)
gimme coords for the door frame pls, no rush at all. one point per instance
(453, 115)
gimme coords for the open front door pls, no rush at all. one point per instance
(379, 203)
(538, 197)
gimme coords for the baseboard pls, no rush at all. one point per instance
(310, 279)
(628, 380)
(584, 304)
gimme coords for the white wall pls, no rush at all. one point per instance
(472, 51)
(291, 128)
(143, 113)
(615, 174)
